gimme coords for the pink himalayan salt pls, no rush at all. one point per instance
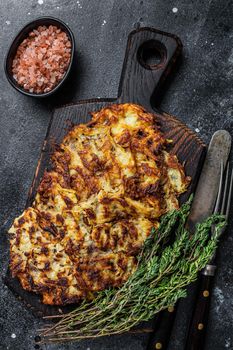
(42, 59)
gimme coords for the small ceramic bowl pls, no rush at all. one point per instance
(23, 34)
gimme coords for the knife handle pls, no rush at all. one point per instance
(197, 329)
(159, 339)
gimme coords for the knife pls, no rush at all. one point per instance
(202, 206)
(195, 339)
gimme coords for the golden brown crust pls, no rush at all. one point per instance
(111, 181)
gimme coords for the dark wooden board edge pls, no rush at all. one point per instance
(198, 154)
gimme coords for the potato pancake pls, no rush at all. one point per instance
(110, 182)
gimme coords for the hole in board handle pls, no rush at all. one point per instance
(152, 54)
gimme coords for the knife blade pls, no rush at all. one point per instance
(202, 206)
(207, 188)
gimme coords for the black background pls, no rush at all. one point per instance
(200, 95)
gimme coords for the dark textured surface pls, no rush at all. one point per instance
(200, 94)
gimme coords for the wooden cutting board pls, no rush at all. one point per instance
(141, 82)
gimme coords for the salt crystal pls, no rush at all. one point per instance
(175, 10)
(53, 79)
(13, 335)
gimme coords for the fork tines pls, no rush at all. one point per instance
(223, 201)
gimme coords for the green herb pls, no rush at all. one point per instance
(165, 268)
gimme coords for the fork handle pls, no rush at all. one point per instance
(197, 329)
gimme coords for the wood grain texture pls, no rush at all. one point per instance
(139, 84)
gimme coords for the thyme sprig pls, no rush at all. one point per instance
(169, 261)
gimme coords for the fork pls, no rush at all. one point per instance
(197, 329)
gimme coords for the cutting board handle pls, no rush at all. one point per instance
(149, 59)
